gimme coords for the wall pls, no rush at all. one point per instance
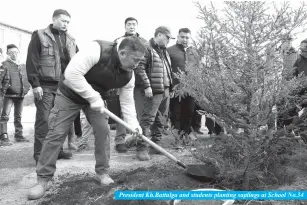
(21, 39)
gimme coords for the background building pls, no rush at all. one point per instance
(18, 36)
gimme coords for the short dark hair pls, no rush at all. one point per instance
(131, 19)
(164, 30)
(58, 12)
(9, 46)
(184, 30)
(133, 44)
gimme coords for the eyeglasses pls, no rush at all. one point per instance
(13, 52)
(167, 36)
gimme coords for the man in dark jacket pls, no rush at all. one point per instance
(156, 74)
(182, 54)
(91, 73)
(49, 52)
(14, 87)
(131, 30)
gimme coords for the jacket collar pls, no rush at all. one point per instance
(128, 34)
(155, 46)
(114, 61)
(181, 47)
(55, 31)
(12, 61)
(50, 31)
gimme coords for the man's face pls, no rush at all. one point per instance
(13, 53)
(303, 48)
(131, 27)
(129, 59)
(61, 22)
(304, 53)
(184, 39)
(163, 39)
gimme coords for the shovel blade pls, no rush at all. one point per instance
(202, 172)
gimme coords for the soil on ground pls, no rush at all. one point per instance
(85, 189)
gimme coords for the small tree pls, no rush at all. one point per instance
(241, 76)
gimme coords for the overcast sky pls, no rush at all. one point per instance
(104, 19)
(101, 19)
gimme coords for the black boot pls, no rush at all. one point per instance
(64, 155)
(21, 139)
(121, 148)
(4, 140)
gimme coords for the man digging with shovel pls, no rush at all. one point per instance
(90, 74)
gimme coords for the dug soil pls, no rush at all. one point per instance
(85, 189)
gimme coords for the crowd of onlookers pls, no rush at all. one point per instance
(49, 53)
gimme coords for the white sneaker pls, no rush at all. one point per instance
(105, 179)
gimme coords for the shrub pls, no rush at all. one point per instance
(241, 77)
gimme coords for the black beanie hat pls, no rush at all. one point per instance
(10, 46)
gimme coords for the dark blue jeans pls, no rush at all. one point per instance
(61, 117)
(8, 102)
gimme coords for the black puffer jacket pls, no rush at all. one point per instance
(150, 69)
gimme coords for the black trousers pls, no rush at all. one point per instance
(212, 126)
(77, 124)
(196, 120)
(182, 113)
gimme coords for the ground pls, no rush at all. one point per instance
(74, 181)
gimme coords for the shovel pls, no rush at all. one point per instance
(198, 171)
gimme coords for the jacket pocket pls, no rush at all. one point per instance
(47, 49)
(47, 69)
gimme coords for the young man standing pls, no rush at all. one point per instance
(182, 54)
(49, 52)
(14, 87)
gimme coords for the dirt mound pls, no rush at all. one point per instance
(85, 189)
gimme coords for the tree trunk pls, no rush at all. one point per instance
(246, 174)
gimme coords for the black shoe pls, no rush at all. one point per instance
(21, 139)
(4, 140)
(121, 148)
(83, 147)
(64, 155)
(113, 126)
